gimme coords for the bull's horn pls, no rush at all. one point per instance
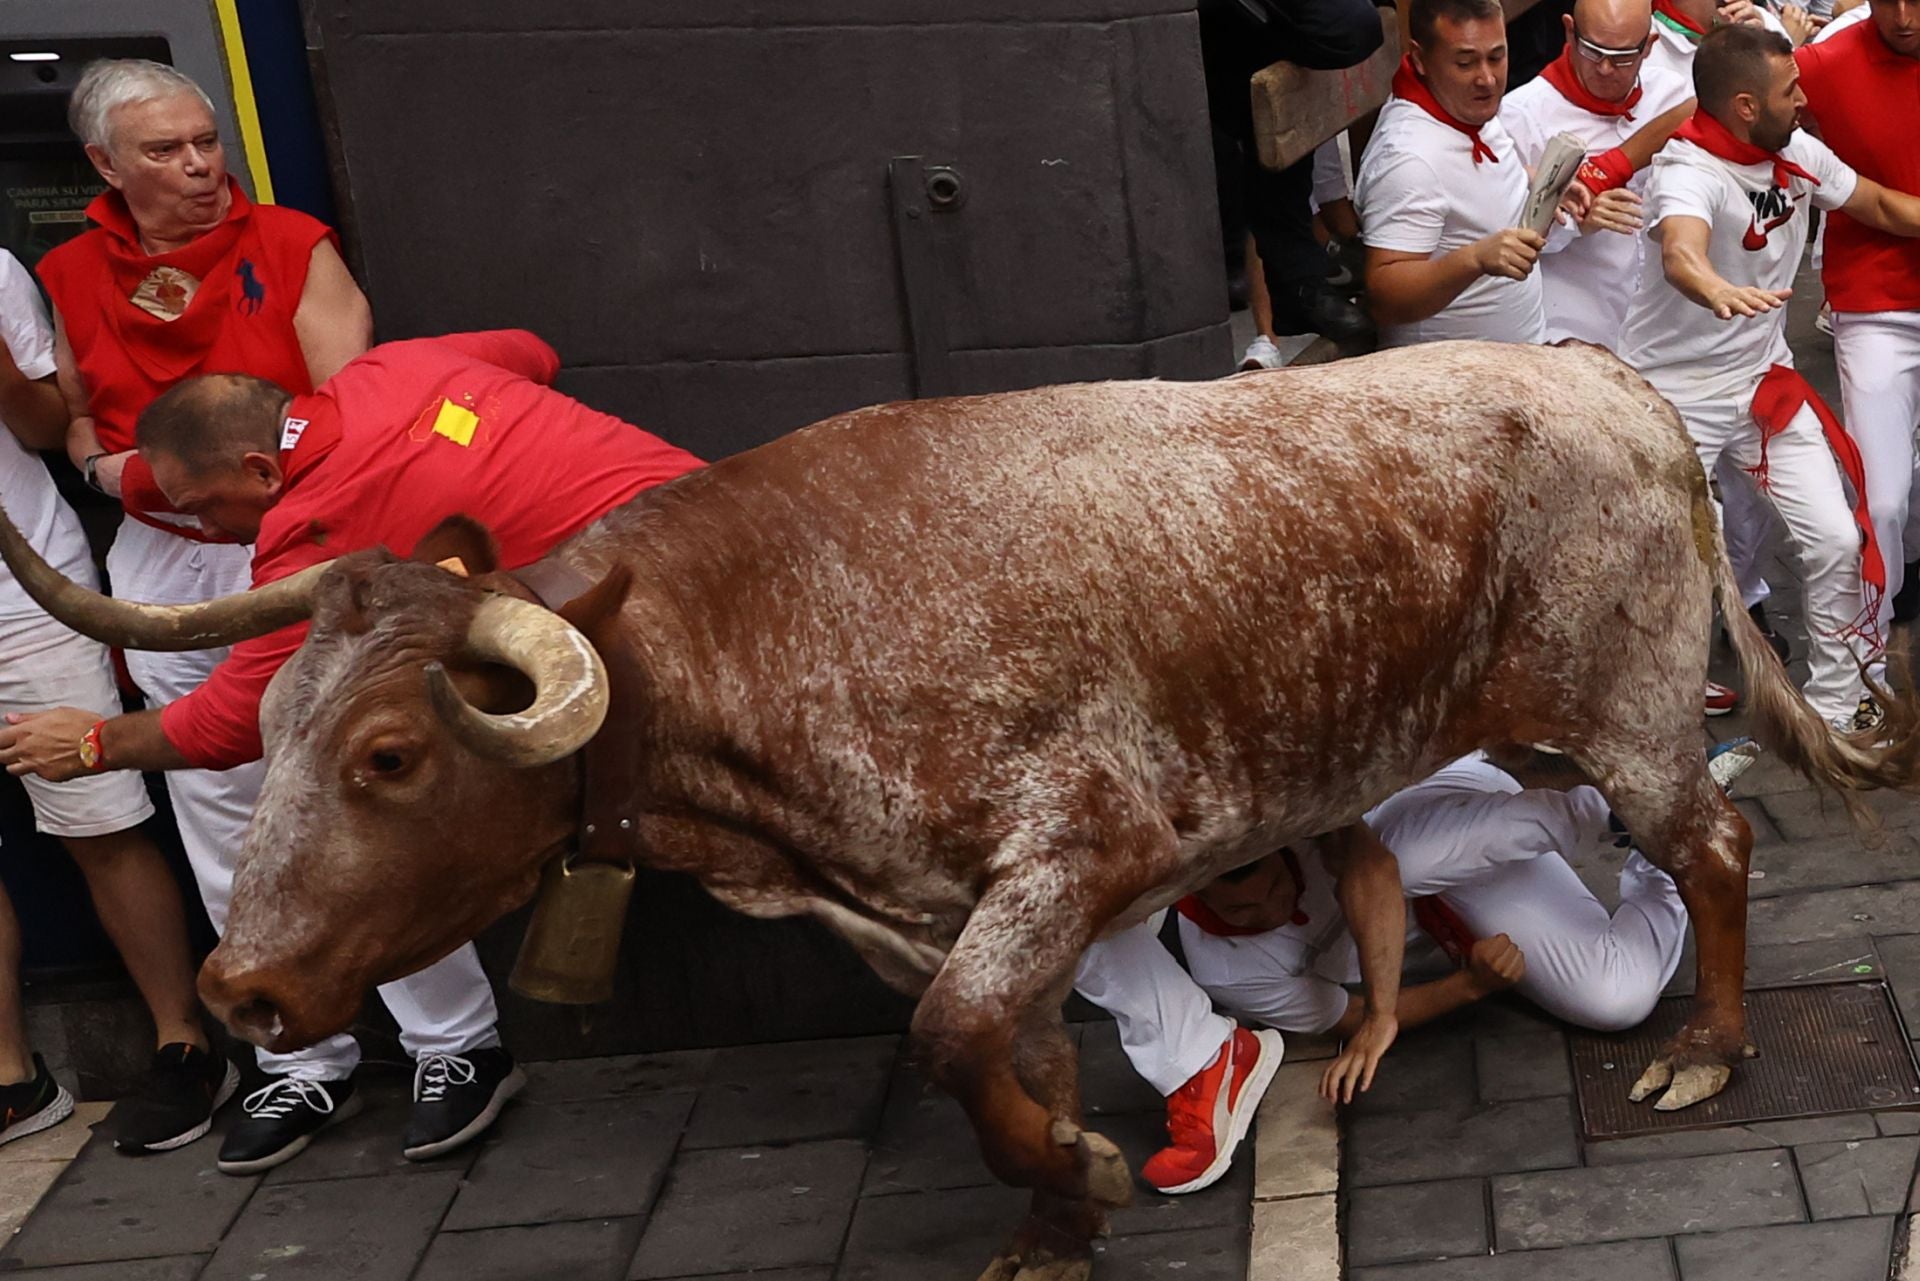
(205, 625)
(569, 683)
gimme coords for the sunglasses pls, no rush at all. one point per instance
(1620, 58)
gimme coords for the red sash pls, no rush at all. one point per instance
(1666, 9)
(1703, 131)
(1781, 394)
(1561, 75)
(1408, 84)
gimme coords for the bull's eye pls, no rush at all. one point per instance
(386, 762)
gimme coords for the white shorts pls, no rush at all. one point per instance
(43, 666)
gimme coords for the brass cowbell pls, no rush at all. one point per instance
(573, 941)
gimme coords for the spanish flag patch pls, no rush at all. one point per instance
(455, 422)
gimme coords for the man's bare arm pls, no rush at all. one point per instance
(1683, 257)
(1406, 287)
(33, 408)
(334, 322)
(1367, 884)
(48, 743)
(1884, 209)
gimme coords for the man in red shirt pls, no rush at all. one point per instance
(1856, 83)
(385, 450)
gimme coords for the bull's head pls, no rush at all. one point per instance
(420, 766)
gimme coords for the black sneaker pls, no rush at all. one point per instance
(456, 1097)
(33, 1106)
(1758, 613)
(175, 1104)
(281, 1118)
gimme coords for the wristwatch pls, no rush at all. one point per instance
(88, 467)
(92, 755)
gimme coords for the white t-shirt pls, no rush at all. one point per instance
(1587, 280)
(1687, 353)
(1420, 192)
(26, 487)
(1672, 52)
(1857, 14)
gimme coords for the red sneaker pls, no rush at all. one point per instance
(1209, 1115)
(1720, 699)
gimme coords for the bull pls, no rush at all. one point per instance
(973, 681)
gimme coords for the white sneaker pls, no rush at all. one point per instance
(1262, 354)
(1729, 760)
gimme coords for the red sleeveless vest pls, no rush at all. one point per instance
(240, 283)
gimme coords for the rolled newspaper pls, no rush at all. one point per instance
(1551, 177)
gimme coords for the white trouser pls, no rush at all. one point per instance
(1747, 519)
(1804, 487)
(1584, 966)
(1167, 1024)
(43, 666)
(1330, 178)
(1878, 355)
(447, 1007)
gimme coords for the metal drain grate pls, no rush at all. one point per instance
(1824, 1048)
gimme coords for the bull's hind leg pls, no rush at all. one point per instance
(1686, 826)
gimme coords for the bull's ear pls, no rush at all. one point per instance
(462, 538)
(598, 603)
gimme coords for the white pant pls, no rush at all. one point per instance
(1878, 355)
(1804, 487)
(1747, 519)
(447, 1007)
(1167, 1024)
(43, 666)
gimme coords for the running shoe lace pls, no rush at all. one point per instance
(437, 1072)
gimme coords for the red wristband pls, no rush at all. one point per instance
(92, 755)
(1606, 171)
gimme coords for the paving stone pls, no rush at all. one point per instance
(1206, 1254)
(569, 1080)
(22, 1184)
(581, 1160)
(1611, 1203)
(1825, 961)
(1108, 1082)
(935, 1236)
(778, 1274)
(369, 1229)
(792, 1092)
(1827, 862)
(1907, 1122)
(1817, 812)
(1304, 1048)
(1831, 914)
(1900, 953)
(1848, 1250)
(1410, 1221)
(63, 1142)
(1297, 1240)
(180, 1268)
(369, 1144)
(1140, 1135)
(169, 1203)
(1296, 1137)
(1857, 1177)
(1732, 1138)
(591, 1250)
(1620, 1261)
(1504, 1015)
(745, 1208)
(1766, 833)
(1529, 1066)
(925, 1142)
(1433, 1072)
(1413, 1147)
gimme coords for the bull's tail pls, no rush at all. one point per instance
(1888, 756)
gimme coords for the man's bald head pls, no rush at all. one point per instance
(1614, 24)
(211, 423)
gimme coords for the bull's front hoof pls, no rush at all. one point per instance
(1694, 1084)
(1039, 1266)
(1109, 1182)
(1651, 1081)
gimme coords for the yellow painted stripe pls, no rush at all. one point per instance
(252, 143)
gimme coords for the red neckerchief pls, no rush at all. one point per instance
(1211, 922)
(1703, 131)
(1408, 84)
(170, 349)
(1666, 9)
(1562, 76)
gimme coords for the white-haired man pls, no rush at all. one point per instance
(182, 275)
